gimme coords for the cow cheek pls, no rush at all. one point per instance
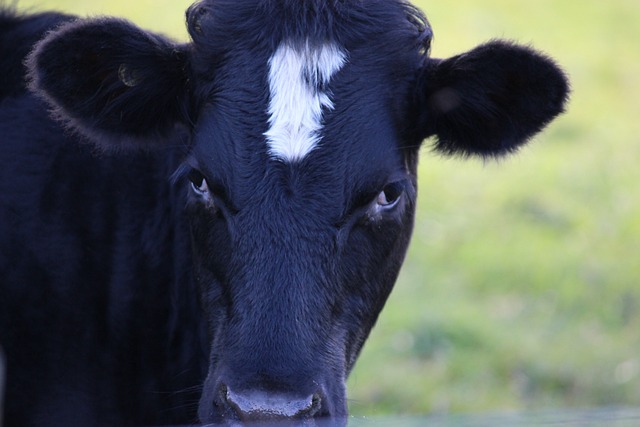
(370, 266)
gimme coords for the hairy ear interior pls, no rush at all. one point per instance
(118, 85)
(490, 100)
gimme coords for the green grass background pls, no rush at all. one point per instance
(520, 290)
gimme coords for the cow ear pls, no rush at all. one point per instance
(114, 83)
(488, 101)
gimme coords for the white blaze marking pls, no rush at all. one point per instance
(298, 78)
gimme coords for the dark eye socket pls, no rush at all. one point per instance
(198, 182)
(372, 206)
(390, 195)
(210, 192)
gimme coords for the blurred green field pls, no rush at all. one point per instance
(521, 287)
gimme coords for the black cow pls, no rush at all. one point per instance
(208, 231)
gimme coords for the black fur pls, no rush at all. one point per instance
(130, 295)
(98, 317)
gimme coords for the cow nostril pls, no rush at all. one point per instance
(259, 405)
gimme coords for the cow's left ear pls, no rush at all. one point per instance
(488, 101)
(120, 86)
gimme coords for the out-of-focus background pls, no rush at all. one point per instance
(521, 289)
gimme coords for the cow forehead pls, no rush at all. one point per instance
(305, 113)
(295, 100)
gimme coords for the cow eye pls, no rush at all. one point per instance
(198, 183)
(390, 196)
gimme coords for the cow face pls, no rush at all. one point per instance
(304, 121)
(301, 181)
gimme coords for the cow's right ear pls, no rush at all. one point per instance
(112, 82)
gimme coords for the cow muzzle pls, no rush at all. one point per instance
(257, 405)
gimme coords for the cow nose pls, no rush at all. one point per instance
(260, 406)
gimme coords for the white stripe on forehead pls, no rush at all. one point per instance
(298, 79)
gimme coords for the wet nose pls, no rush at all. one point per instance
(258, 405)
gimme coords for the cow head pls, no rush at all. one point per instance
(305, 119)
